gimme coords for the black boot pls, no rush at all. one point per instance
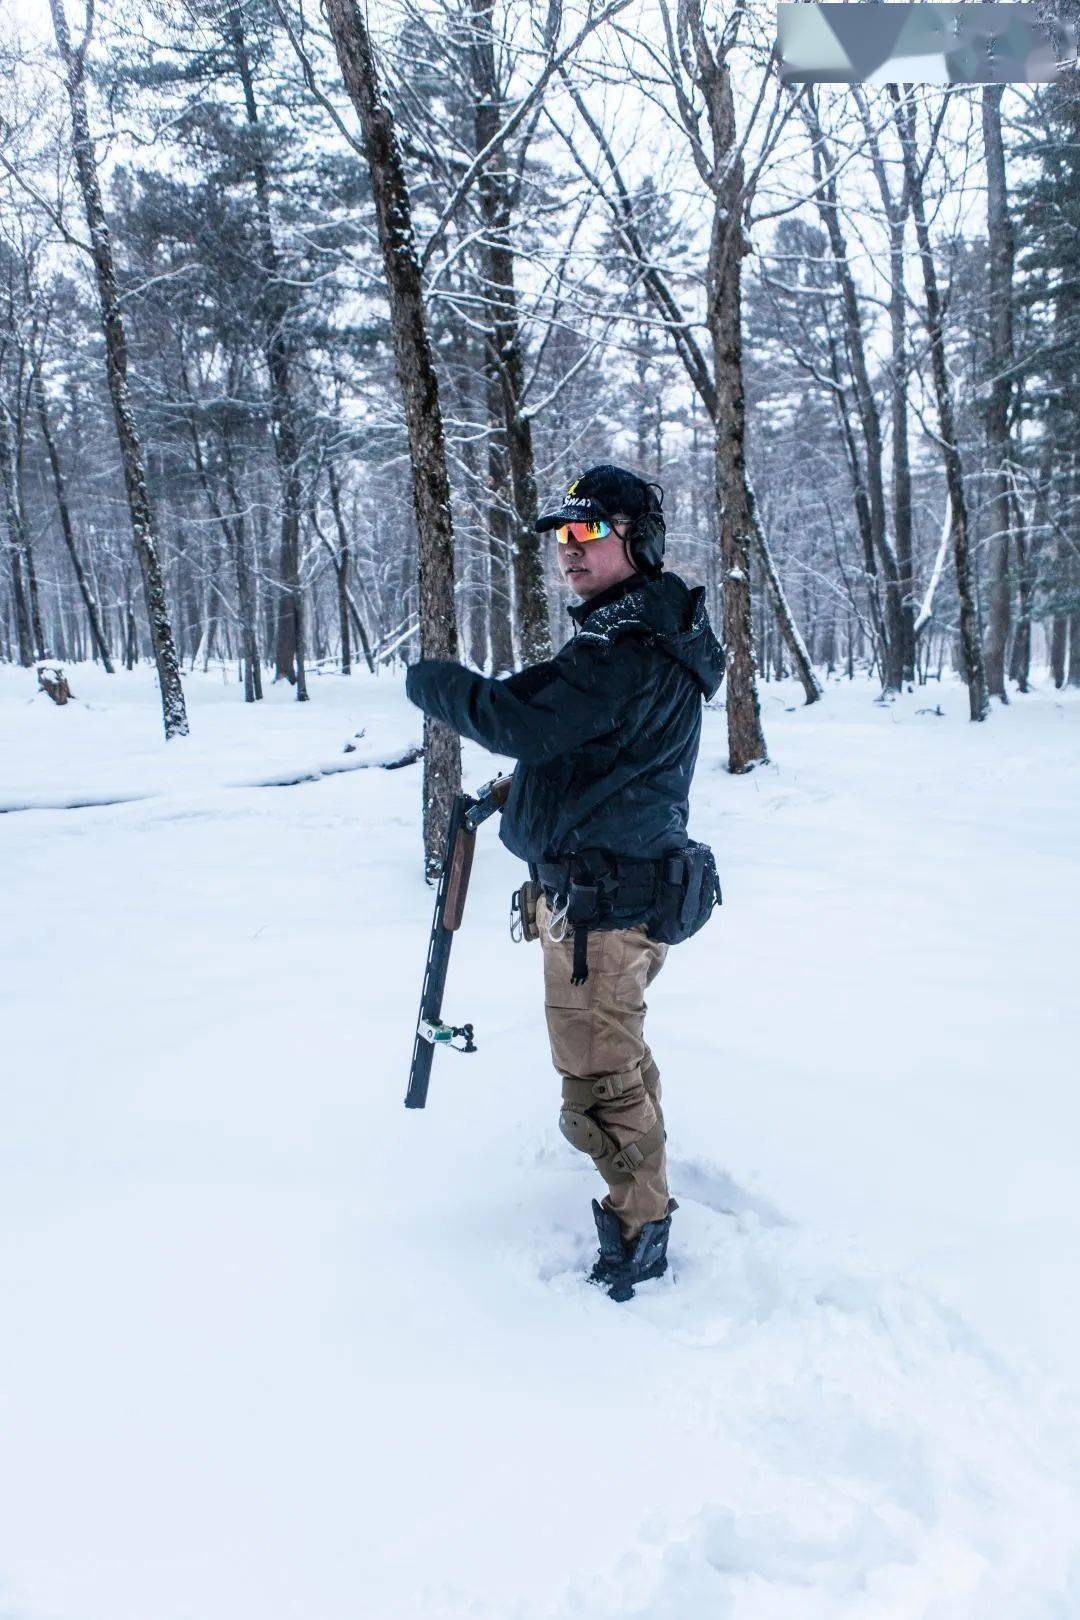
(612, 1254)
(646, 1257)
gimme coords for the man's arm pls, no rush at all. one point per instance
(525, 683)
(535, 716)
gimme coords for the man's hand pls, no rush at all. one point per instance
(414, 677)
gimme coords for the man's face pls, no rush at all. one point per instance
(590, 566)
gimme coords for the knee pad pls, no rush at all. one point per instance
(582, 1132)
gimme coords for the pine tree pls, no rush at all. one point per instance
(1048, 259)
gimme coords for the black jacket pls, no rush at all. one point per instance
(606, 733)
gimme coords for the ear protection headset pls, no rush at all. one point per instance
(646, 536)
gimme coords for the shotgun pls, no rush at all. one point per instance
(466, 815)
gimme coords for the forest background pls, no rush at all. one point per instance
(299, 322)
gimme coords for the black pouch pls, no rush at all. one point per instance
(686, 892)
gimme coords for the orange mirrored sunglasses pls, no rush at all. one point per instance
(582, 531)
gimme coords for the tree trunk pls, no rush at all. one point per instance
(1059, 641)
(93, 617)
(869, 416)
(12, 430)
(278, 346)
(344, 635)
(420, 391)
(1074, 648)
(17, 548)
(476, 622)
(32, 592)
(130, 628)
(896, 212)
(860, 496)
(234, 531)
(500, 608)
(902, 498)
(142, 522)
(361, 631)
(344, 558)
(746, 740)
(789, 630)
(246, 579)
(1020, 656)
(21, 611)
(999, 365)
(1073, 575)
(970, 618)
(505, 351)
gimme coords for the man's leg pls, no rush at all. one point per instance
(611, 1086)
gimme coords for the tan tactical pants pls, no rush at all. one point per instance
(611, 1086)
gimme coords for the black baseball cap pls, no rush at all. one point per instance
(600, 493)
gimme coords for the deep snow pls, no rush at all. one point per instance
(274, 1347)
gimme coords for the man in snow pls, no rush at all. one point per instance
(606, 735)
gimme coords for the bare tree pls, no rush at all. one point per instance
(970, 618)
(289, 642)
(722, 171)
(233, 526)
(825, 192)
(1000, 388)
(420, 391)
(896, 212)
(73, 59)
(67, 528)
(496, 189)
(18, 550)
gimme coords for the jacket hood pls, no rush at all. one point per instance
(666, 611)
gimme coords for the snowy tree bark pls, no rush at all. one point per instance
(420, 391)
(790, 634)
(505, 345)
(896, 211)
(999, 229)
(16, 540)
(500, 596)
(174, 711)
(1020, 652)
(234, 531)
(1072, 574)
(970, 618)
(289, 642)
(727, 246)
(342, 564)
(93, 617)
(12, 457)
(869, 416)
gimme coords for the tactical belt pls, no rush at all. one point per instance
(597, 887)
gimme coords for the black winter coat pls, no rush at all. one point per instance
(606, 732)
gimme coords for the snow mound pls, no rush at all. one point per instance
(867, 1455)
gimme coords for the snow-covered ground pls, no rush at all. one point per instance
(274, 1347)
